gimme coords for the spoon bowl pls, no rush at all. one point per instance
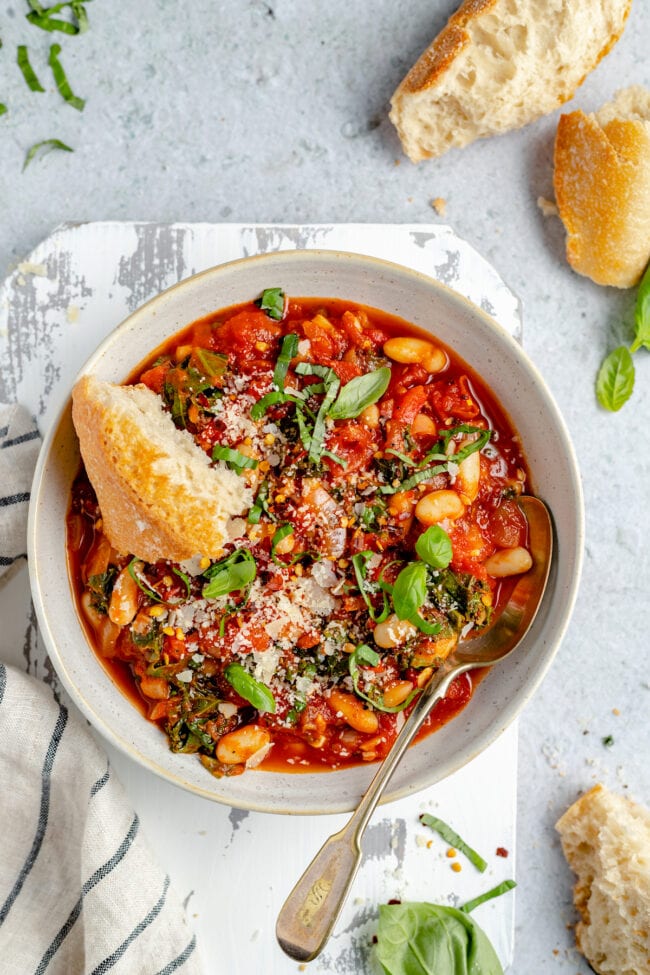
(311, 909)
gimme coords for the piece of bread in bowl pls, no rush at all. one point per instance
(602, 188)
(160, 495)
(606, 840)
(499, 64)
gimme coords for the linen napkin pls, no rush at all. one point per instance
(81, 891)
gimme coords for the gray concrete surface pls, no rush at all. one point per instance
(247, 110)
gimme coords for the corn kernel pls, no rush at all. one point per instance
(344, 522)
(204, 563)
(269, 439)
(179, 634)
(99, 524)
(156, 611)
(168, 630)
(248, 441)
(167, 580)
(343, 563)
(348, 648)
(298, 569)
(279, 498)
(456, 867)
(264, 466)
(451, 853)
(261, 346)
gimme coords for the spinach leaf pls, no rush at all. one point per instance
(272, 301)
(615, 380)
(253, 691)
(429, 939)
(434, 547)
(359, 393)
(642, 314)
(230, 574)
(410, 590)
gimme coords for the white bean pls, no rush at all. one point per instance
(353, 711)
(393, 632)
(238, 746)
(509, 562)
(412, 350)
(124, 599)
(437, 506)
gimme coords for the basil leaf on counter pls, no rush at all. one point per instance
(489, 895)
(47, 145)
(360, 392)
(642, 314)
(230, 574)
(272, 301)
(434, 547)
(235, 460)
(410, 590)
(29, 74)
(429, 939)
(3, 109)
(253, 691)
(453, 839)
(615, 380)
(61, 80)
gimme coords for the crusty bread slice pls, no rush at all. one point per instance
(606, 840)
(602, 187)
(499, 64)
(159, 494)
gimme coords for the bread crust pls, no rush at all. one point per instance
(436, 72)
(602, 188)
(146, 510)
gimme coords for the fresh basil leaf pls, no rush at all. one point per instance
(288, 350)
(51, 24)
(271, 399)
(253, 691)
(234, 459)
(453, 839)
(359, 564)
(434, 547)
(367, 655)
(423, 475)
(615, 380)
(410, 590)
(424, 626)
(186, 579)
(283, 531)
(261, 505)
(47, 145)
(489, 895)
(43, 17)
(642, 314)
(28, 72)
(3, 109)
(429, 939)
(61, 80)
(471, 447)
(360, 392)
(134, 568)
(318, 434)
(209, 364)
(272, 301)
(230, 574)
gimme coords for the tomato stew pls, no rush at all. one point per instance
(385, 478)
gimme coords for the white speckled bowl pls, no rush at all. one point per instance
(476, 338)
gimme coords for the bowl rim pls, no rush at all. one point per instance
(461, 757)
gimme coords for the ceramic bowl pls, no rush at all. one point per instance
(477, 339)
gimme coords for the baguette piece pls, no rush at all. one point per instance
(499, 64)
(602, 187)
(606, 840)
(159, 494)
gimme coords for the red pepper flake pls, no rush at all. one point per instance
(502, 852)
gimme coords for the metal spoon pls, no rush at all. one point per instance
(311, 909)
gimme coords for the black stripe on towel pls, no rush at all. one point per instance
(3, 681)
(6, 560)
(23, 438)
(182, 958)
(4, 431)
(13, 499)
(92, 881)
(108, 963)
(43, 813)
(100, 783)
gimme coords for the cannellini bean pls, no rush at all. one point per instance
(238, 746)
(417, 351)
(393, 632)
(124, 599)
(370, 416)
(401, 503)
(423, 426)
(182, 352)
(509, 562)
(106, 632)
(353, 711)
(437, 506)
(154, 687)
(398, 693)
(468, 477)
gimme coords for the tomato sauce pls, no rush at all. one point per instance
(384, 475)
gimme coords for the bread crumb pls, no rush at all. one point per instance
(548, 207)
(439, 204)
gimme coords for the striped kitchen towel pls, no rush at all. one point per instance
(80, 890)
(19, 446)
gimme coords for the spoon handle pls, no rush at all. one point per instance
(311, 909)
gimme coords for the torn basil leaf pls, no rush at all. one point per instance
(47, 145)
(253, 691)
(230, 574)
(359, 393)
(434, 547)
(272, 301)
(28, 72)
(61, 80)
(615, 380)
